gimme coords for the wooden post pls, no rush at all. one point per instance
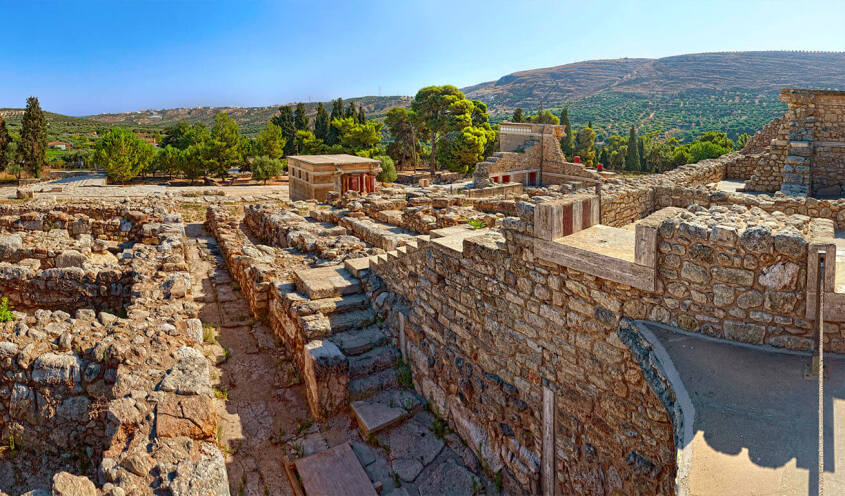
(548, 461)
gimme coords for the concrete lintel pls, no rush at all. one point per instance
(607, 267)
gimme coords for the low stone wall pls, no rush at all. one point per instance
(501, 189)
(113, 222)
(624, 201)
(67, 289)
(671, 196)
(125, 401)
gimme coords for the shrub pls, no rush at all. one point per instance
(388, 170)
(264, 168)
(6, 314)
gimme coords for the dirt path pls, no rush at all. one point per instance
(256, 403)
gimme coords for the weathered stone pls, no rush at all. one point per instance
(65, 484)
(782, 275)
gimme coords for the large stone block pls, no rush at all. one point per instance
(326, 374)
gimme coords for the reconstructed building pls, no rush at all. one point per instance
(313, 176)
(530, 155)
(806, 153)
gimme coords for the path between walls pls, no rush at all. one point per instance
(258, 401)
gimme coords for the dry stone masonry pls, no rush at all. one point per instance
(103, 391)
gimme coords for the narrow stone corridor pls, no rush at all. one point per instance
(259, 402)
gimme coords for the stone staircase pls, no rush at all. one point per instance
(796, 168)
(334, 307)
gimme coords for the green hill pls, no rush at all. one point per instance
(250, 119)
(683, 95)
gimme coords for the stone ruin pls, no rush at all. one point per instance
(804, 151)
(515, 313)
(102, 391)
(480, 341)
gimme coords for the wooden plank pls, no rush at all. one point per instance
(548, 461)
(606, 267)
(334, 472)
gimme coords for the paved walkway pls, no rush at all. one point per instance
(94, 186)
(257, 405)
(756, 418)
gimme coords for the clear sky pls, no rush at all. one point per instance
(84, 57)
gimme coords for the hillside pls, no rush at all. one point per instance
(250, 119)
(683, 95)
(59, 124)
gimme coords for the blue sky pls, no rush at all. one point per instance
(84, 57)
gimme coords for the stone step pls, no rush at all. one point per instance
(326, 282)
(341, 322)
(335, 304)
(359, 341)
(385, 409)
(364, 387)
(357, 266)
(372, 361)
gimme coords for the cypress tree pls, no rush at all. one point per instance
(517, 115)
(641, 152)
(632, 158)
(285, 121)
(300, 118)
(567, 143)
(333, 136)
(362, 117)
(351, 112)
(34, 137)
(5, 139)
(321, 123)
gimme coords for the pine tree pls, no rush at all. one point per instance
(285, 121)
(34, 137)
(321, 123)
(5, 139)
(567, 143)
(300, 118)
(632, 158)
(517, 115)
(333, 137)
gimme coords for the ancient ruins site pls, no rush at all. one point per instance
(541, 328)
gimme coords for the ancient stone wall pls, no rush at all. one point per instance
(125, 400)
(489, 328)
(806, 157)
(626, 200)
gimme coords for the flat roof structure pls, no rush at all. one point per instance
(313, 176)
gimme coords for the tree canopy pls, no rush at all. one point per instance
(33, 146)
(270, 141)
(440, 110)
(123, 154)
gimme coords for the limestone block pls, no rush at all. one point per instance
(326, 373)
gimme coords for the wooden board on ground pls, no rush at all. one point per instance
(334, 472)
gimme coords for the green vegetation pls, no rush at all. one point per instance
(388, 170)
(405, 379)
(684, 115)
(264, 168)
(443, 113)
(123, 154)
(6, 314)
(33, 144)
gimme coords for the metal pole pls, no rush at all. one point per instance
(818, 364)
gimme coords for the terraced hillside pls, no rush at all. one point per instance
(682, 95)
(250, 119)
